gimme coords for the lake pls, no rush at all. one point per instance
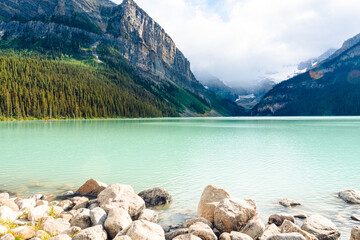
(307, 159)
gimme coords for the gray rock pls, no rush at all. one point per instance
(37, 213)
(72, 231)
(350, 196)
(155, 197)
(173, 234)
(122, 238)
(98, 216)
(289, 203)
(117, 220)
(239, 236)
(278, 219)
(93, 233)
(190, 222)
(321, 227)
(5, 195)
(82, 219)
(270, 230)
(187, 237)
(80, 202)
(9, 203)
(148, 215)
(289, 227)
(143, 230)
(67, 205)
(60, 237)
(55, 226)
(355, 233)
(287, 236)
(254, 228)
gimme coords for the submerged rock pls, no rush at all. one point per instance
(350, 196)
(155, 197)
(289, 203)
(278, 219)
(92, 188)
(321, 227)
(148, 215)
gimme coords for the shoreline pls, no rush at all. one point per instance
(116, 212)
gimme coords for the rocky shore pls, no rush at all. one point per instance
(98, 211)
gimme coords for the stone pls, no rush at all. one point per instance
(144, 230)
(82, 219)
(278, 219)
(355, 233)
(98, 216)
(289, 203)
(355, 217)
(56, 211)
(60, 237)
(122, 238)
(42, 202)
(300, 216)
(92, 188)
(290, 227)
(148, 215)
(66, 216)
(23, 232)
(67, 205)
(202, 231)
(190, 222)
(9, 203)
(80, 202)
(271, 229)
(117, 220)
(321, 227)
(72, 231)
(42, 234)
(97, 232)
(55, 226)
(7, 237)
(37, 213)
(7, 213)
(210, 198)
(225, 236)
(254, 228)
(26, 203)
(121, 196)
(3, 230)
(93, 204)
(155, 197)
(239, 236)
(48, 197)
(187, 237)
(350, 196)
(177, 232)
(233, 214)
(287, 236)
(4, 195)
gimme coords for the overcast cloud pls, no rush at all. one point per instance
(240, 40)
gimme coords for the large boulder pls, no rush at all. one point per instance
(355, 233)
(254, 228)
(287, 236)
(98, 216)
(289, 227)
(9, 203)
(144, 230)
(117, 220)
(210, 198)
(91, 188)
(81, 219)
(321, 227)
(7, 214)
(23, 232)
(202, 231)
(270, 230)
(35, 214)
(97, 232)
(55, 226)
(278, 219)
(233, 214)
(350, 196)
(121, 196)
(155, 197)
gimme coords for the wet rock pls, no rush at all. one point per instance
(60, 237)
(190, 222)
(278, 219)
(97, 232)
(321, 227)
(9, 203)
(355, 233)
(37, 213)
(117, 220)
(270, 230)
(7, 237)
(55, 226)
(233, 214)
(355, 217)
(23, 232)
(202, 231)
(289, 227)
(289, 203)
(148, 215)
(7, 213)
(254, 228)
(210, 198)
(82, 219)
(144, 230)
(155, 197)
(287, 236)
(121, 196)
(92, 188)
(350, 196)
(98, 216)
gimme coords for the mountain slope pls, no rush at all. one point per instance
(331, 88)
(110, 34)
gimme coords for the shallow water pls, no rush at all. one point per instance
(307, 159)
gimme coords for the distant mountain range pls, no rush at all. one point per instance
(133, 53)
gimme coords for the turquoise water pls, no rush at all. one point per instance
(307, 159)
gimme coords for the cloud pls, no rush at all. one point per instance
(240, 40)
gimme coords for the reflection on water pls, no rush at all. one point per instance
(307, 159)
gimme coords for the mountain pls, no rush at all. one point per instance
(330, 88)
(122, 39)
(307, 65)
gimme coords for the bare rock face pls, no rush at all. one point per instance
(355, 233)
(233, 214)
(97, 232)
(210, 198)
(289, 227)
(91, 188)
(121, 196)
(270, 230)
(278, 219)
(117, 220)
(287, 236)
(350, 196)
(254, 228)
(155, 197)
(321, 227)
(143, 230)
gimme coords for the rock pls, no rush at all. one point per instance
(239, 236)
(93, 204)
(287, 236)
(23, 232)
(117, 220)
(56, 211)
(175, 233)
(278, 219)
(22, 222)
(187, 237)
(155, 197)
(48, 197)
(9, 203)
(42, 202)
(60, 237)
(98, 216)
(289, 203)
(121, 196)
(190, 222)
(7, 237)
(37, 197)
(37, 213)
(254, 228)
(26, 203)
(4, 195)
(355, 233)
(122, 238)
(67, 205)
(233, 214)
(7, 213)
(225, 236)
(271, 229)
(301, 216)
(92, 188)
(82, 219)
(72, 231)
(42, 234)
(350, 196)
(210, 198)
(97, 232)
(80, 202)
(68, 194)
(202, 231)
(289, 227)
(148, 215)
(144, 230)
(3, 230)
(321, 227)
(355, 217)
(55, 226)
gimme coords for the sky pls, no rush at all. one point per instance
(242, 41)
